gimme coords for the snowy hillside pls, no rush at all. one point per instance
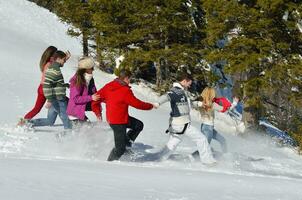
(36, 164)
(25, 32)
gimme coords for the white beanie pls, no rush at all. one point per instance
(86, 63)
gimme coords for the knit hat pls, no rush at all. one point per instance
(86, 63)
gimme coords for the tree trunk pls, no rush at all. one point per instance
(99, 49)
(248, 113)
(248, 117)
(158, 74)
(85, 43)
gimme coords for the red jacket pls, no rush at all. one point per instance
(224, 102)
(118, 97)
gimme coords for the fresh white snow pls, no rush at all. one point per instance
(36, 164)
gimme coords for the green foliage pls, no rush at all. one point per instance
(48, 4)
(263, 53)
(148, 31)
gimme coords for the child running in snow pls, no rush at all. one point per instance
(82, 91)
(180, 122)
(118, 96)
(54, 90)
(45, 61)
(209, 105)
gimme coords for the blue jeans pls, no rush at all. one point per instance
(58, 107)
(211, 133)
(49, 121)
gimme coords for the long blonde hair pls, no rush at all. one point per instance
(208, 94)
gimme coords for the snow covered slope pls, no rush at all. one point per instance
(25, 31)
(36, 164)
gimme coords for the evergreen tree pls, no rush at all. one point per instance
(263, 51)
(77, 13)
(167, 34)
(48, 4)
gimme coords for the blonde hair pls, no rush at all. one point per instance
(208, 94)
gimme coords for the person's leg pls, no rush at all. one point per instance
(217, 136)
(49, 121)
(175, 138)
(167, 150)
(135, 126)
(172, 143)
(119, 131)
(202, 144)
(207, 130)
(40, 101)
(62, 104)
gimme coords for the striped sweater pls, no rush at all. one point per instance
(54, 87)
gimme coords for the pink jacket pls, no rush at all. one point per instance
(78, 99)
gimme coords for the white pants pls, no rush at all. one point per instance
(196, 136)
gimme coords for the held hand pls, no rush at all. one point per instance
(48, 105)
(95, 97)
(199, 104)
(155, 105)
